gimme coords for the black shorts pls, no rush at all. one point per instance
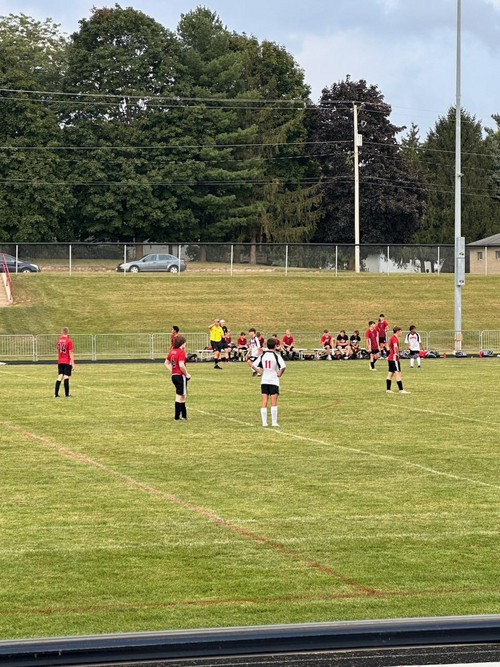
(64, 369)
(382, 339)
(180, 383)
(394, 366)
(217, 346)
(376, 351)
(414, 353)
(270, 389)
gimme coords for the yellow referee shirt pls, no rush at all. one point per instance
(216, 333)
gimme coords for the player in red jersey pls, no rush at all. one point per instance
(382, 326)
(394, 362)
(287, 343)
(175, 332)
(176, 364)
(242, 345)
(371, 336)
(65, 362)
(326, 342)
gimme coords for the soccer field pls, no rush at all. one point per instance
(361, 505)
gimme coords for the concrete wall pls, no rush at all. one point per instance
(489, 264)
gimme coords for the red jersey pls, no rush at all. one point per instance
(242, 341)
(278, 342)
(228, 339)
(326, 339)
(175, 356)
(372, 335)
(288, 340)
(172, 338)
(382, 328)
(64, 347)
(261, 341)
(393, 348)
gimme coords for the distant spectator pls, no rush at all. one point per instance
(288, 345)
(242, 345)
(175, 332)
(343, 344)
(413, 343)
(326, 342)
(261, 338)
(278, 343)
(355, 343)
(230, 349)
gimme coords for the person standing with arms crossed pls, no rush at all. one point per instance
(176, 364)
(413, 342)
(270, 366)
(394, 362)
(65, 362)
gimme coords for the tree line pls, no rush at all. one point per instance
(128, 131)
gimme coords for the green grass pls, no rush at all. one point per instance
(113, 303)
(362, 505)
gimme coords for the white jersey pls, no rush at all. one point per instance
(254, 346)
(270, 362)
(413, 340)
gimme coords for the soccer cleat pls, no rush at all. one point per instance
(56, 396)
(275, 425)
(219, 368)
(389, 391)
(403, 391)
(373, 369)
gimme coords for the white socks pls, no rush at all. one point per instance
(274, 415)
(263, 414)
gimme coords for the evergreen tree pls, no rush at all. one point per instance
(480, 210)
(391, 193)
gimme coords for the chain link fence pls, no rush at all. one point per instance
(235, 258)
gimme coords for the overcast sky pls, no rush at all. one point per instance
(405, 47)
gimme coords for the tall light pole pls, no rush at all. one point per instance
(459, 239)
(358, 141)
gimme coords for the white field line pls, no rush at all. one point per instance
(356, 450)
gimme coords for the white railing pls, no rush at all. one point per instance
(98, 347)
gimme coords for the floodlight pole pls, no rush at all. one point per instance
(459, 239)
(357, 143)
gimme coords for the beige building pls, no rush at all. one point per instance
(484, 256)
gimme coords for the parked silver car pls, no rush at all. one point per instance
(154, 262)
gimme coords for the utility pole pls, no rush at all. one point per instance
(459, 239)
(358, 141)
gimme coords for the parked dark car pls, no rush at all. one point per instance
(22, 266)
(154, 262)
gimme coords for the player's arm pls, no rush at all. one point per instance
(168, 365)
(183, 368)
(72, 359)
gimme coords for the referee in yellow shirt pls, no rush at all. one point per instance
(216, 336)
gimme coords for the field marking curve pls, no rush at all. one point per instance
(276, 546)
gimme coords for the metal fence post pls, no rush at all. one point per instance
(232, 259)
(94, 353)
(124, 259)
(179, 260)
(388, 262)
(286, 260)
(336, 260)
(486, 261)
(69, 257)
(17, 256)
(439, 261)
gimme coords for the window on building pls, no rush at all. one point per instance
(480, 254)
(497, 254)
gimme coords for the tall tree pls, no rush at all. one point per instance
(480, 210)
(123, 66)
(34, 201)
(391, 189)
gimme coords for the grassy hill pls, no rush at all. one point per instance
(96, 303)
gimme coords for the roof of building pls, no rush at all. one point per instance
(489, 241)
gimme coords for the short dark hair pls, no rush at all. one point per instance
(371, 322)
(178, 341)
(175, 328)
(381, 315)
(251, 329)
(412, 327)
(271, 343)
(396, 329)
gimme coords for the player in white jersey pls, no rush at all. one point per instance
(254, 348)
(270, 366)
(413, 343)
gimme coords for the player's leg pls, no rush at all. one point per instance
(60, 378)
(388, 381)
(274, 408)
(66, 386)
(399, 380)
(263, 406)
